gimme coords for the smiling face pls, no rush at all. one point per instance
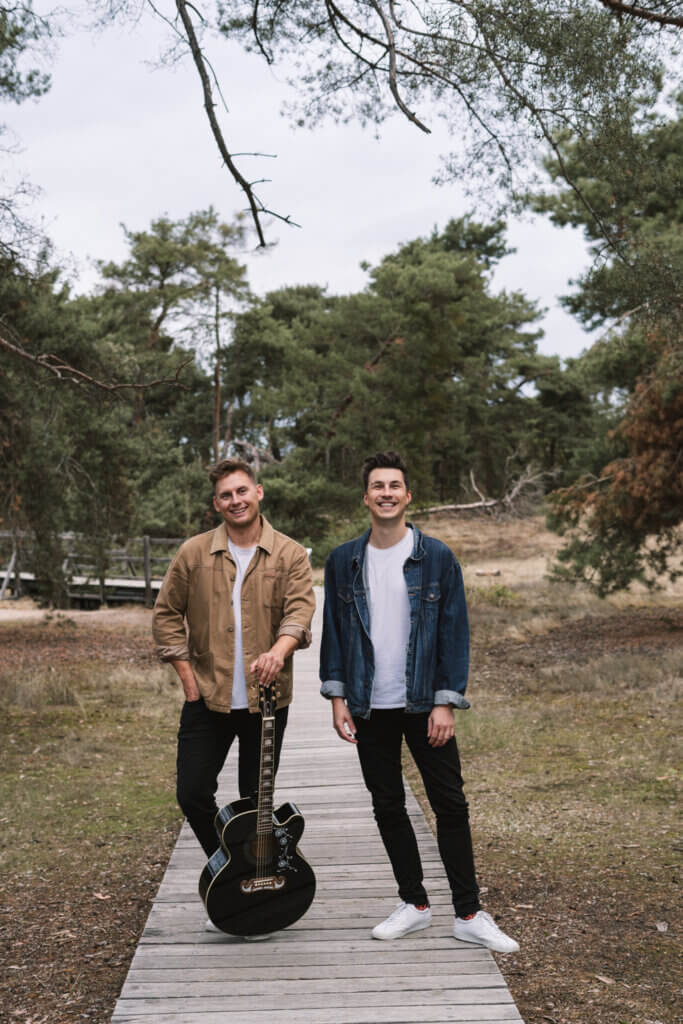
(387, 496)
(237, 500)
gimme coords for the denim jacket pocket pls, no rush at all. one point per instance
(431, 597)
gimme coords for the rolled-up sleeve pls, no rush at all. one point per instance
(299, 603)
(332, 673)
(453, 640)
(168, 619)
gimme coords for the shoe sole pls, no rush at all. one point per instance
(413, 928)
(485, 945)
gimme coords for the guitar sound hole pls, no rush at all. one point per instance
(262, 850)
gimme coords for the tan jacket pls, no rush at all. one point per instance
(193, 619)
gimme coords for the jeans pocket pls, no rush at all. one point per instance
(191, 708)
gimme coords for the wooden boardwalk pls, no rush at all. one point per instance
(325, 969)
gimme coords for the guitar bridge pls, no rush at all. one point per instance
(271, 882)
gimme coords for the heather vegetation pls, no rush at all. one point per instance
(570, 766)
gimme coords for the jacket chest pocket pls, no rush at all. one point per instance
(272, 587)
(345, 608)
(431, 598)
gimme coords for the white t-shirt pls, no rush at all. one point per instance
(389, 620)
(242, 557)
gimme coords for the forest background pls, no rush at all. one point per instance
(115, 399)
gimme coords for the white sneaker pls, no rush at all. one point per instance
(483, 930)
(405, 919)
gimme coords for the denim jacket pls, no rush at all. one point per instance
(437, 658)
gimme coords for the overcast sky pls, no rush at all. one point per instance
(116, 141)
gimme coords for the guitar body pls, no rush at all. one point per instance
(256, 884)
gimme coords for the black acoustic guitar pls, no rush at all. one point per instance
(257, 881)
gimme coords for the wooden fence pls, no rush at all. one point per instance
(132, 571)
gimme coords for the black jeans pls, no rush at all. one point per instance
(379, 748)
(204, 739)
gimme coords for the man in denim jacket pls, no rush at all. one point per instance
(394, 661)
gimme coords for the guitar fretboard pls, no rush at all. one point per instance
(264, 823)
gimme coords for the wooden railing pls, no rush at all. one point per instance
(130, 572)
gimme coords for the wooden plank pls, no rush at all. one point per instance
(389, 1013)
(253, 975)
(304, 999)
(326, 968)
(279, 989)
(204, 955)
(318, 915)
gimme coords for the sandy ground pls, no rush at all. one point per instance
(25, 610)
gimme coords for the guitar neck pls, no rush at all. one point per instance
(264, 823)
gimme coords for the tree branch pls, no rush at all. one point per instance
(64, 371)
(471, 506)
(346, 401)
(391, 44)
(420, 67)
(537, 115)
(620, 8)
(476, 490)
(255, 205)
(528, 479)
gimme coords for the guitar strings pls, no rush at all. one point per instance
(264, 818)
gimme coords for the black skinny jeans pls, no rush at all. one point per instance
(204, 739)
(379, 748)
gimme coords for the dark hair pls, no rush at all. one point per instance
(384, 460)
(227, 466)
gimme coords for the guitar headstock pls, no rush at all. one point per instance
(267, 699)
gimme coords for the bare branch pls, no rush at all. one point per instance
(471, 506)
(474, 486)
(255, 205)
(529, 479)
(642, 13)
(64, 371)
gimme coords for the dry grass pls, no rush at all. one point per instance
(571, 755)
(33, 690)
(612, 674)
(89, 818)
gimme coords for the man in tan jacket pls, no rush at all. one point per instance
(235, 604)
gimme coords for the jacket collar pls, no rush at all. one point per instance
(265, 541)
(361, 543)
